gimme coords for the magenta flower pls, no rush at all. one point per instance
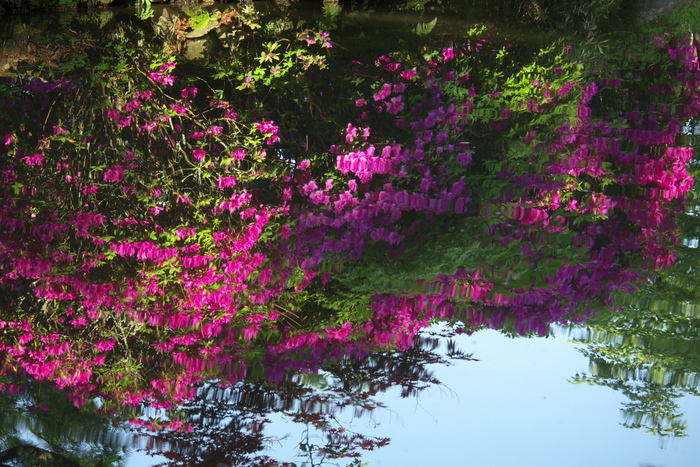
(226, 182)
(384, 93)
(89, 190)
(187, 92)
(180, 109)
(114, 174)
(105, 345)
(36, 159)
(199, 154)
(269, 129)
(350, 134)
(408, 75)
(238, 155)
(125, 122)
(150, 126)
(24, 338)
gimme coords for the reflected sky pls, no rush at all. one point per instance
(515, 406)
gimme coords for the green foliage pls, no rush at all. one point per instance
(44, 419)
(682, 20)
(144, 9)
(423, 29)
(199, 17)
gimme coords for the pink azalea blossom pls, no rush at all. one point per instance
(114, 174)
(198, 154)
(36, 159)
(180, 109)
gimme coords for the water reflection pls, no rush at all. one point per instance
(195, 246)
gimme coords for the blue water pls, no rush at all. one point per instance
(515, 406)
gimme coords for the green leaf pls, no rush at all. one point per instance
(423, 29)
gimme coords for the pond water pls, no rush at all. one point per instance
(285, 235)
(517, 405)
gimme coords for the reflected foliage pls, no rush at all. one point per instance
(650, 351)
(240, 214)
(228, 423)
(41, 427)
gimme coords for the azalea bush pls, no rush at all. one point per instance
(161, 229)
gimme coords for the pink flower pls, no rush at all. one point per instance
(182, 110)
(164, 346)
(105, 345)
(238, 155)
(113, 114)
(24, 338)
(269, 129)
(36, 159)
(384, 93)
(408, 75)
(448, 53)
(79, 322)
(89, 190)
(125, 122)
(114, 174)
(395, 106)
(198, 154)
(350, 133)
(226, 182)
(150, 126)
(187, 92)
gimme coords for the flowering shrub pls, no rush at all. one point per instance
(161, 234)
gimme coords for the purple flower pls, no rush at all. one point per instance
(395, 106)
(464, 158)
